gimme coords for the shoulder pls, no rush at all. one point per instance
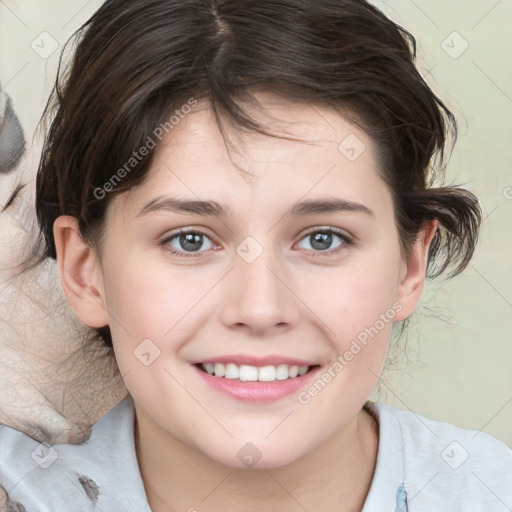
(99, 474)
(440, 460)
(424, 438)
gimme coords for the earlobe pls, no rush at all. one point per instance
(412, 278)
(80, 273)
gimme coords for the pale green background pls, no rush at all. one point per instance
(459, 368)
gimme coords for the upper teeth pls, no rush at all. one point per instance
(254, 373)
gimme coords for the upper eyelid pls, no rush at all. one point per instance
(337, 231)
(13, 196)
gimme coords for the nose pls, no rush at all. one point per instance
(259, 297)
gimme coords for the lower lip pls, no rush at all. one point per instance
(256, 391)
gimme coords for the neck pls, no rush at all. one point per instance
(336, 476)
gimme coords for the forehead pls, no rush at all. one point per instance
(331, 157)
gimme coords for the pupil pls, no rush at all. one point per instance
(191, 241)
(321, 241)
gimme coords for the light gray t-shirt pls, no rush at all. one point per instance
(433, 466)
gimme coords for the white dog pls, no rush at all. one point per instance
(57, 378)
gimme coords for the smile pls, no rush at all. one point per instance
(255, 384)
(247, 373)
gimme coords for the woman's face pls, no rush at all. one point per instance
(301, 268)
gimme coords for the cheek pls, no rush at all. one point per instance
(356, 307)
(145, 298)
(350, 298)
(152, 301)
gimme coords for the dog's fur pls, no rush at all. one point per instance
(57, 378)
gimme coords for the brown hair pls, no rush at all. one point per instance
(136, 61)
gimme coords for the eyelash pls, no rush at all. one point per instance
(346, 239)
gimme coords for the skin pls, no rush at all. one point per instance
(292, 300)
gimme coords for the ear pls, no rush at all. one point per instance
(80, 273)
(412, 274)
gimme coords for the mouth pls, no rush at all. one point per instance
(248, 373)
(255, 379)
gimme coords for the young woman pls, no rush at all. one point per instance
(239, 197)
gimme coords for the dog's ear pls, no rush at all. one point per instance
(12, 138)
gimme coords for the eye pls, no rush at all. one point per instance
(183, 242)
(11, 199)
(321, 240)
(186, 242)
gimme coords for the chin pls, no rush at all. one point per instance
(251, 456)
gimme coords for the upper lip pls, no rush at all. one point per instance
(270, 360)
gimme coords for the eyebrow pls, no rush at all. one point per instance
(213, 208)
